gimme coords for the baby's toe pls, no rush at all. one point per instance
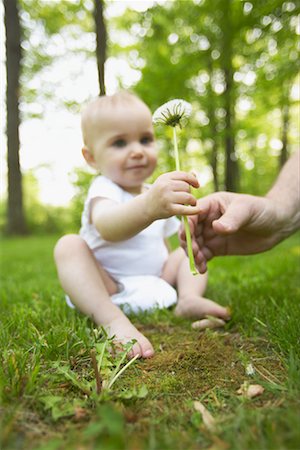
(136, 350)
(143, 348)
(206, 307)
(146, 348)
(218, 311)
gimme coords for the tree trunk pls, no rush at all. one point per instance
(214, 164)
(100, 43)
(214, 133)
(285, 126)
(231, 169)
(231, 165)
(15, 214)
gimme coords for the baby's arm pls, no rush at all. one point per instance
(168, 196)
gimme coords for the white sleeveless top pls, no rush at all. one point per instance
(143, 254)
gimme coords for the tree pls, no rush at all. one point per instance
(15, 213)
(231, 167)
(22, 17)
(234, 60)
(182, 40)
(100, 43)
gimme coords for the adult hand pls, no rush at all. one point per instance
(233, 224)
(239, 224)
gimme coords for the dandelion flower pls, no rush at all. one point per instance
(172, 113)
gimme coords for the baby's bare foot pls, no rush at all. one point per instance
(124, 331)
(198, 307)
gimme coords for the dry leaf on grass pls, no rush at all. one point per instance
(80, 413)
(207, 418)
(250, 369)
(250, 390)
(211, 322)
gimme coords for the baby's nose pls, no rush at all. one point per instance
(136, 150)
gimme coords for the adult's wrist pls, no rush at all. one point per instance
(286, 196)
(286, 218)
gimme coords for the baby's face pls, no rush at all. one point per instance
(123, 146)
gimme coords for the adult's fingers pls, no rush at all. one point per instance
(200, 262)
(235, 217)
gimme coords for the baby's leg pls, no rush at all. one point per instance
(89, 286)
(190, 288)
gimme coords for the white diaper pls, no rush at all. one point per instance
(141, 293)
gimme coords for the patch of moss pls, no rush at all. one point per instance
(188, 365)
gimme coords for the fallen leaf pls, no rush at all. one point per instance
(80, 413)
(207, 418)
(250, 390)
(211, 323)
(250, 369)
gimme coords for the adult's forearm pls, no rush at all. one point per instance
(286, 195)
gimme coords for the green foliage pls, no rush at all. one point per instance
(39, 334)
(186, 48)
(81, 180)
(107, 430)
(51, 31)
(181, 49)
(107, 364)
(42, 218)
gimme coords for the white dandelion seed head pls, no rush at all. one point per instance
(172, 112)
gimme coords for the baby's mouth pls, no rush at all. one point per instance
(137, 166)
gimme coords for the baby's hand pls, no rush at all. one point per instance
(170, 195)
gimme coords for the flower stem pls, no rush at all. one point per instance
(121, 371)
(187, 230)
(185, 220)
(177, 162)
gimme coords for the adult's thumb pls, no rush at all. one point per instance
(234, 218)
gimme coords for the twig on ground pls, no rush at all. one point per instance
(97, 374)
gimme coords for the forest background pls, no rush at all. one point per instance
(234, 60)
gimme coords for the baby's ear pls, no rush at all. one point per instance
(88, 156)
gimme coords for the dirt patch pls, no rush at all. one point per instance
(198, 361)
(188, 365)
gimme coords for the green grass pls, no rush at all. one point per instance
(38, 331)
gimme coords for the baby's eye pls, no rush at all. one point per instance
(119, 143)
(146, 140)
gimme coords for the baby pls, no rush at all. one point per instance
(120, 258)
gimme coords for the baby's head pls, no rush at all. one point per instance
(118, 139)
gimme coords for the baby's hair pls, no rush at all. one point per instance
(101, 104)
